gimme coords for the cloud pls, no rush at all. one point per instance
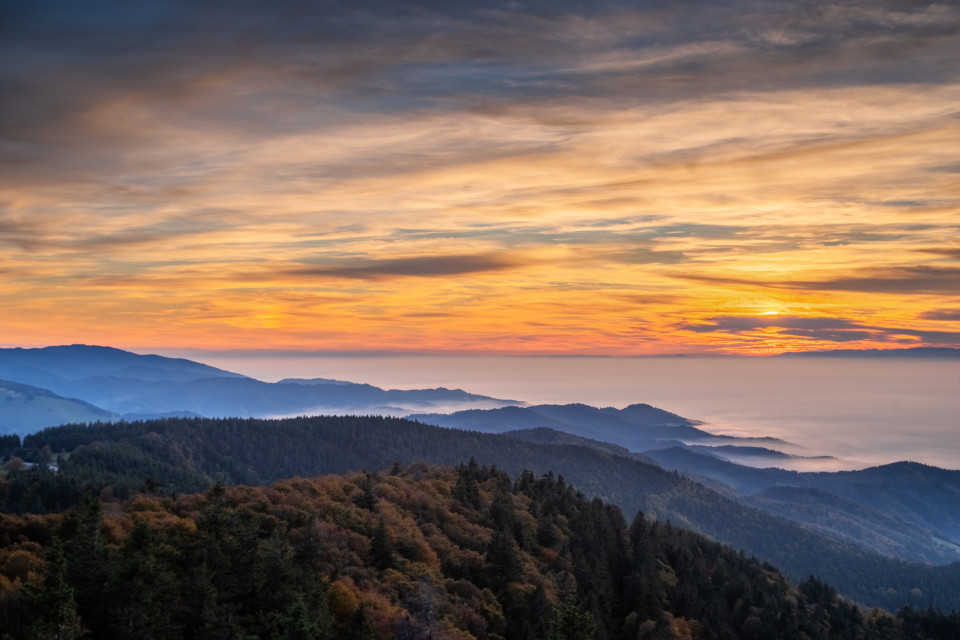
(417, 54)
(273, 156)
(644, 256)
(184, 275)
(949, 315)
(830, 335)
(898, 280)
(739, 324)
(905, 280)
(829, 329)
(712, 231)
(19, 232)
(946, 252)
(424, 266)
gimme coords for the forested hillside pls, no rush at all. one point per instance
(186, 455)
(420, 552)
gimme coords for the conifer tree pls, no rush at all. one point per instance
(51, 607)
(570, 623)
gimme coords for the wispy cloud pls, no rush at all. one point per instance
(541, 176)
(420, 266)
(820, 329)
(949, 315)
(899, 280)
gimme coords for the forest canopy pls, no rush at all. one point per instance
(412, 552)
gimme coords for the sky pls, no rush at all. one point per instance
(608, 178)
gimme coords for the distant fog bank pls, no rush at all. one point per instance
(865, 411)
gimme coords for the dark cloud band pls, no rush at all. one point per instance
(831, 329)
(424, 266)
(894, 280)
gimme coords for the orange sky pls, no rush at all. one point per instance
(482, 178)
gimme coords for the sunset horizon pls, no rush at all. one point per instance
(493, 178)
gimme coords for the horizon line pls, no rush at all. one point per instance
(270, 352)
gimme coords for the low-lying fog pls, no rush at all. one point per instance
(865, 411)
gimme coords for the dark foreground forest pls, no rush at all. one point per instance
(416, 552)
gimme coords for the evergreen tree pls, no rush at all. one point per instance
(90, 563)
(146, 599)
(50, 606)
(570, 623)
(381, 551)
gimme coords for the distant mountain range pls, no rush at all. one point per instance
(638, 427)
(81, 383)
(906, 511)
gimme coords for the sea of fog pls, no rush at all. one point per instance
(864, 411)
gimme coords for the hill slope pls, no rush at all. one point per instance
(25, 408)
(182, 454)
(423, 552)
(905, 509)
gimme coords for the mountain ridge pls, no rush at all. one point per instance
(189, 454)
(637, 427)
(921, 498)
(121, 383)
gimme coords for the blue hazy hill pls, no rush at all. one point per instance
(637, 427)
(129, 385)
(25, 408)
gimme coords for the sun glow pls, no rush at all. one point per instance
(589, 212)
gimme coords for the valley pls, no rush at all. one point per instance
(885, 536)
